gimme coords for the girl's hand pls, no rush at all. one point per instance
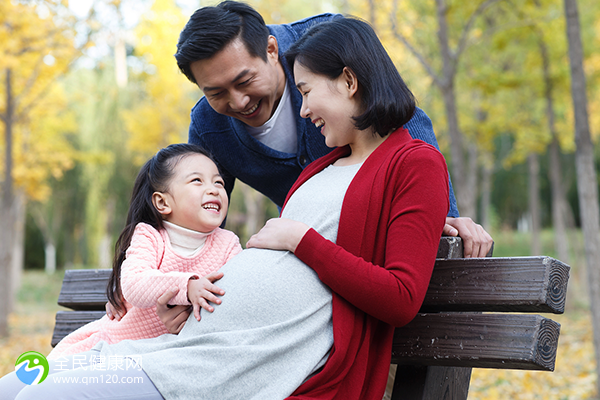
(279, 234)
(201, 291)
(114, 313)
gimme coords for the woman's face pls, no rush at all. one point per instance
(330, 104)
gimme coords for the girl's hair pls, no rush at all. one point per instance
(328, 47)
(154, 176)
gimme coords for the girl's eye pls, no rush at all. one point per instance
(197, 180)
(220, 183)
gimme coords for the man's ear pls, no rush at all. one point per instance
(161, 203)
(350, 81)
(272, 48)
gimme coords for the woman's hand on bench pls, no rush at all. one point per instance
(173, 317)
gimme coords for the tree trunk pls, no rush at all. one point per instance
(449, 97)
(486, 192)
(18, 249)
(7, 231)
(587, 185)
(534, 203)
(50, 258)
(559, 198)
(559, 203)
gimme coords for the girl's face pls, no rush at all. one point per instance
(330, 104)
(196, 198)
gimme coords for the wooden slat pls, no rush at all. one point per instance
(521, 284)
(84, 289)
(68, 321)
(506, 341)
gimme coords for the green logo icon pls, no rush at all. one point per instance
(31, 368)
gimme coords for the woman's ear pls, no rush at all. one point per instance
(350, 80)
(161, 203)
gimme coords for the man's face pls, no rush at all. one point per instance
(241, 86)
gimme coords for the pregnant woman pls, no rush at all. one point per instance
(310, 308)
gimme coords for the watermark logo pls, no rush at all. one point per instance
(31, 368)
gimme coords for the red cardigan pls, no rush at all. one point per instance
(390, 227)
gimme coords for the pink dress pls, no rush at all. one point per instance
(150, 269)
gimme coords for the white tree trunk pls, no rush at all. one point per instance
(534, 203)
(50, 260)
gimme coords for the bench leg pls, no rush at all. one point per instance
(431, 383)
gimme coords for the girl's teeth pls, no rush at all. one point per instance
(319, 123)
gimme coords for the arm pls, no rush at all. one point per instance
(142, 282)
(477, 242)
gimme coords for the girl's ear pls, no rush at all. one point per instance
(161, 203)
(350, 80)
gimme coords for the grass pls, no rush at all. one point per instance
(575, 376)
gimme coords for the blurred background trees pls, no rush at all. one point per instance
(90, 89)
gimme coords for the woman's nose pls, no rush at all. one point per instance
(304, 110)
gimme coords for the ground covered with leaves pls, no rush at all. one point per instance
(574, 378)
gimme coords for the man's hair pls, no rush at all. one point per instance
(349, 42)
(210, 29)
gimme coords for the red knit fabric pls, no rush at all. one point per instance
(390, 227)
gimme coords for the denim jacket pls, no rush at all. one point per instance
(271, 172)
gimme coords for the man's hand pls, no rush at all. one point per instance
(113, 313)
(201, 291)
(476, 241)
(172, 317)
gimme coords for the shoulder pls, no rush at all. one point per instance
(287, 34)
(148, 231)
(205, 119)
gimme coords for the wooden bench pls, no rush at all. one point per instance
(474, 316)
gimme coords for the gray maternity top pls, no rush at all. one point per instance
(272, 330)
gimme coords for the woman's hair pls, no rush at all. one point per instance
(155, 176)
(328, 47)
(210, 29)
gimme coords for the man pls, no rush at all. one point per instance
(249, 117)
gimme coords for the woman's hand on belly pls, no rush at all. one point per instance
(172, 317)
(279, 234)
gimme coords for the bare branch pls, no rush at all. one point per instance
(462, 43)
(398, 35)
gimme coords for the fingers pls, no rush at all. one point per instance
(167, 296)
(109, 312)
(176, 324)
(476, 241)
(449, 230)
(214, 276)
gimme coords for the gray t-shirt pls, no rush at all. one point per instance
(274, 326)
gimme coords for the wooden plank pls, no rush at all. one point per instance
(520, 284)
(450, 247)
(68, 321)
(84, 289)
(505, 341)
(431, 383)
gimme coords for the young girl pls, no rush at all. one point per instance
(171, 240)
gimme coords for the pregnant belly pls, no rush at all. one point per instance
(264, 288)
